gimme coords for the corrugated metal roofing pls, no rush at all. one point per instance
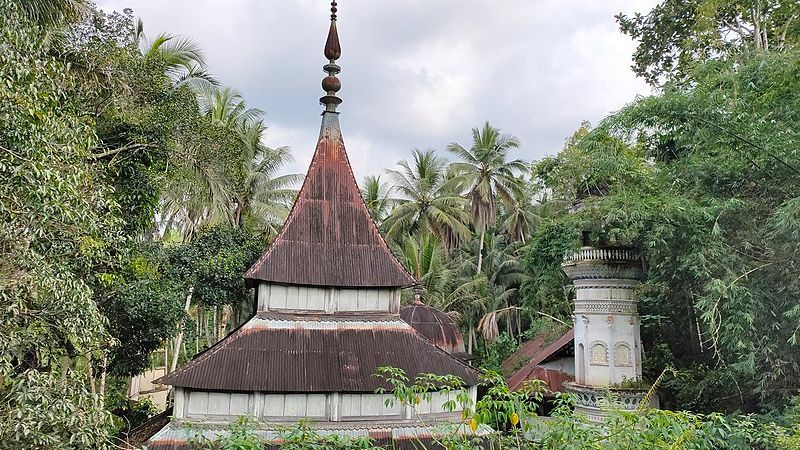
(532, 370)
(524, 353)
(394, 435)
(435, 325)
(329, 238)
(277, 355)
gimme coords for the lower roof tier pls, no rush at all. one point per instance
(287, 353)
(395, 435)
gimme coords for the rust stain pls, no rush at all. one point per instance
(532, 369)
(435, 326)
(329, 238)
(314, 360)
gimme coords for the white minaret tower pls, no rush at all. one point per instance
(608, 350)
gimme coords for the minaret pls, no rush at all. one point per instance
(608, 350)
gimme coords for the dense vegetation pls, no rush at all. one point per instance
(509, 416)
(135, 190)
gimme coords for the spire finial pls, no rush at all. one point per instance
(417, 289)
(333, 51)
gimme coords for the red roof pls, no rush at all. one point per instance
(329, 238)
(533, 371)
(435, 325)
(524, 354)
(278, 352)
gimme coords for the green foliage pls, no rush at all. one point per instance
(546, 288)
(46, 409)
(501, 408)
(498, 351)
(241, 435)
(705, 185)
(143, 313)
(214, 263)
(303, 436)
(409, 394)
(676, 35)
(55, 222)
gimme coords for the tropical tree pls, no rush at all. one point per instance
(266, 196)
(376, 197)
(52, 12)
(58, 228)
(183, 58)
(429, 200)
(679, 34)
(522, 218)
(489, 175)
(426, 256)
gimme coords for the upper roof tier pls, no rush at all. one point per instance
(329, 238)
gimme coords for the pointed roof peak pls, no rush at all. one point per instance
(329, 238)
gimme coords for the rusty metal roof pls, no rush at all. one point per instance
(329, 238)
(525, 353)
(435, 325)
(532, 369)
(273, 354)
(396, 435)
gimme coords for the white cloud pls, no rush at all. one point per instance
(415, 73)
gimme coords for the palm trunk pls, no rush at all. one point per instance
(419, 258)
(179, 337)
(470, 338)
(480, 251)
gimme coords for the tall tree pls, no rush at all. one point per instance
(429, 200)
(489, 174)
(183, 58)
(266, 196)
(376, 197)
(703, 179)
(677, 34)
(56, 224)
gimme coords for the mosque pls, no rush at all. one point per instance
(328, 316)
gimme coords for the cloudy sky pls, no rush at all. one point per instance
(415, 73)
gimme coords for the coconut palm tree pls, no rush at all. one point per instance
(429, 201)
(184, 61)
(211, 192)
(265, 197)
(489, 174)
(227, 107)
(376, 197)
(522, 217)
(425, 255)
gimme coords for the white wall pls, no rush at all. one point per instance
(607, 324)
(565, 364)
(226, 406)
(284, 298)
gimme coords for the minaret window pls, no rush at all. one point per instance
(599, 354)
(622, 355)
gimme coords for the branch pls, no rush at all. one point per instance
(128, 146)
(750, 143)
